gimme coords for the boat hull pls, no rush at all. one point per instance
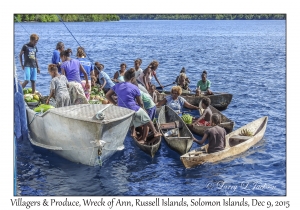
(233, 146)
(181, 144)
(80, 140)
(219, 100)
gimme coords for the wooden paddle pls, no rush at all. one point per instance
(160, 88)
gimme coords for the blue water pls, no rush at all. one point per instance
(245, 58)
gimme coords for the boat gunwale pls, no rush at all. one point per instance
(80, 119)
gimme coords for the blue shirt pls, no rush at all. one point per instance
(56, 59)
(87, 65)
(176, 105)
(109, 83)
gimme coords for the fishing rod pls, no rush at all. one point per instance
(61, 20)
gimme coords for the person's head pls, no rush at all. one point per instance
(182, 77)
(203, 76)
(153, 65)
(152, 88)
(205, 102)
(182, 70)
(34, 38)
(93, 80)
(65, 54)
(129, 75)
(52, 69)
(98, 66)
(204, 72)
(176, 91)
(137, 63)
(80, 52)
(123, 67)
(60, 46)
(197, 92)
(215, 119)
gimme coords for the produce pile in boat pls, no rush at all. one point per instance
(246, 132)
(97, 96)
(187, 119)
(30, 97)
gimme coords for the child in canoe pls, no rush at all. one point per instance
(215, 135)
(58, 87)
(153, 93)
(205, 118)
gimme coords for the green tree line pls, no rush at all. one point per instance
(65, 17)
(202, 16)
(114, 17)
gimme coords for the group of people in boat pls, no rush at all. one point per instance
(72, 80)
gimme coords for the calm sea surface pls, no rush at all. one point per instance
(245, 58)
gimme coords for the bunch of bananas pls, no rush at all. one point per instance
(246, 132)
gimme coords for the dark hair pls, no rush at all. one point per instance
(123, 64)
(206, 101)
(66, 52)
(80, 52)
(60, 45)
(204, 72)
(96, 64)
(52, 67)
(215, 118)
(138, 60)
(129, 74)
(182, 70)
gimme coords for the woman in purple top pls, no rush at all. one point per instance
(129, 97)
(71, 68)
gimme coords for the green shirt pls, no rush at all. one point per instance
(147, 100)
(203, 85)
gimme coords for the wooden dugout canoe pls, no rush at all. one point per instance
(235, 144)
(219, 100)
(182, 142)
(149, 148)
(226, 123)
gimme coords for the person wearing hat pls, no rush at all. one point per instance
(186, 78)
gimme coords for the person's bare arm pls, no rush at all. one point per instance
(202, 140)
(157, 80)
(140, 101)
(21, 59)
(162, 102)
(190, 106)
(63, 72)
(104, 82)
(201, 117)
(37, 65)
(109, 97)
(146, 74)
(50, 96)
(87, 85)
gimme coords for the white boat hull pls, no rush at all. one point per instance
(75, 134)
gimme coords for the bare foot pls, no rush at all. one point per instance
(157, 134)
(141, 141)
